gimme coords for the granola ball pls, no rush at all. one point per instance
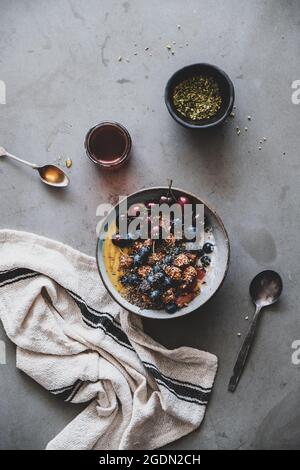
(173, 272)
(169, 296)
(155, 258)
(189, 274)
(181, 260)
(144, 271)
(126, 261)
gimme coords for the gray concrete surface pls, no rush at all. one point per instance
(59, 62)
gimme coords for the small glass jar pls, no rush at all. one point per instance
(108, 145)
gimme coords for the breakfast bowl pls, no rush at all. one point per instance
(210, 270)
(223, 92)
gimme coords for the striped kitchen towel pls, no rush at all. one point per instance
(76, 342)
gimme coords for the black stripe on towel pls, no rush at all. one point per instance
(101, 320)
(101, 327)
(180, 382)
(93, 310)
(67, 393)
(182, 390)
(13, 275)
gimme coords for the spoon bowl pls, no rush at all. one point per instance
(265, 289)
(53, 176)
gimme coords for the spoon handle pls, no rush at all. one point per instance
(243, 354)
(25, 162)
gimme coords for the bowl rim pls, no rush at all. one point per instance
(208, 125)
(227, 242)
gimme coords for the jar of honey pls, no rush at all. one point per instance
(108, 145)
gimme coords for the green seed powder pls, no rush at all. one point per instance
(197, 98)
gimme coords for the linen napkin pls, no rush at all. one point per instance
(76, 342)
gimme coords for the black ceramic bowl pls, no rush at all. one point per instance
(226, 91)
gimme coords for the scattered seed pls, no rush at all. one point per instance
(69, 163)
(265, 139)
(259, 148)
(169, 47)
(246, 128)
(249, 118)
(172, 52)
(238, 334)
(238, 131)
(178, 26)
(186, 43)
(232, 115)
(150, 54)
(247, 318)
(135, 53)
(174, 42)
(127, 60)
(119, 58)
(234, 107)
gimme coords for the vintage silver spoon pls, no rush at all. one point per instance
(49, 174)
(265, 289)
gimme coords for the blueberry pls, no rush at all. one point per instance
(155, 295)
(156, 269)
(208, 248)
(171, 308)
(167, 281)
(137, 260)
(133, 279)
(177, 250)
(151, 279)
(119, 241)
(124, 280)
(205, 260)
(144, 251)
(190, 233)
(168, 259)
(145, 287)
(159, 277)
